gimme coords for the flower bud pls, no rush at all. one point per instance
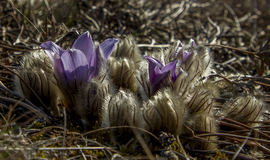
(127, 49)
(91, 96)
(247, 108)
(122, 109)
(164, 112)
(123, 72)
(37, 73)
(203, 123)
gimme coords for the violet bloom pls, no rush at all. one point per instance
(158, 72)
(185, 53)
(80, 62)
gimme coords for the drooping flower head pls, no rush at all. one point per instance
(158, 72)
(80, 62)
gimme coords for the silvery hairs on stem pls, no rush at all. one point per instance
(195, 60)
(37, 71)
(125, 63)
(127, 49)
(164, 112)
(200, 105)
(91, 97)
(245, 108)
(200, 100)
(123, 72)
(122, 109)
(206, 123)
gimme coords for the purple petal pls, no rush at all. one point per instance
(154, 65)
(51, 49)
(158, 78)
(75, 64)
(85, 44)
(174, 75)
(192, 43)
(59, 68)
(185, 55)
(93, 64)
(154, 62)
(180, 44)
(108, 47)
(169, 66)
(97, 62)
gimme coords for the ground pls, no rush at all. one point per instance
(236, 32)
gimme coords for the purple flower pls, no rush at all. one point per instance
(82, 61)
(157, 71)
(184, 54)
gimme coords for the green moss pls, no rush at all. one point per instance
(176, 147)
(219, 155)
(4, 155)
(37, 125)
(97, 153)
(73, 128)
(100, 136)
(128, 150)
(36, 138)
(40, 154)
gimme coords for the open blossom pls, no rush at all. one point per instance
(80, 62)
(158, 72)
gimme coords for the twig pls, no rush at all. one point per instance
(96, 130)
(36, 111)
(17, 95)
(64, 132)
(243, 144)
(236, 49)
(83, 156)
(45, 107)
(183, 149)
(154, 46)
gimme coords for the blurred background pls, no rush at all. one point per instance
(242, 24)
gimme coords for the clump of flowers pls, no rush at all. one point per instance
(188, 103)
(114, 85)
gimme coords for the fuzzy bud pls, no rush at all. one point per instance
(37, 72)
(91, 97)
(164, 112)
(122, 109)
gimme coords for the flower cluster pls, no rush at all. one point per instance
(117, 86)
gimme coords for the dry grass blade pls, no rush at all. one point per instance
(50, 120)
(243, 144)
(38, 112)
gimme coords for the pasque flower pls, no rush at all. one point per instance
(158, 72)
(184, 52)
(80, 62)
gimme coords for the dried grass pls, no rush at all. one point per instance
(236, 31)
